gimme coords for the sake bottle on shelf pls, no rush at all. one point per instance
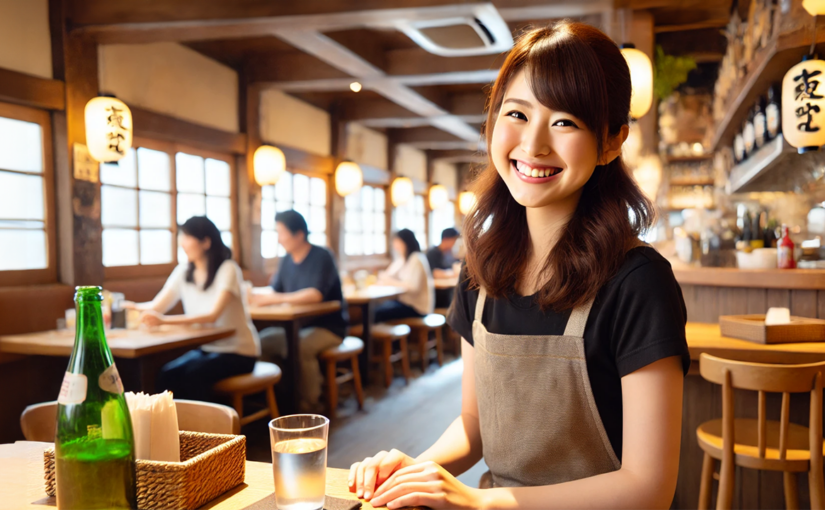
(94, 445)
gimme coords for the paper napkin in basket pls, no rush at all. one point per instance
(155, 425)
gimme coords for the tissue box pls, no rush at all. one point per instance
(211, 464)
(753, 329)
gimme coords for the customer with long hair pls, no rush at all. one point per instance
(410, 271)
(573, 332)
(209, 286)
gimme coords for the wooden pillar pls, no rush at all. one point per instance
(641, 34)
(336, 210)
(249, 193)
(78, 202)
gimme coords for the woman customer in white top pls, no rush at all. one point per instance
(209, 286)
(411, 271)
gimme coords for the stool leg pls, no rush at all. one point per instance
(356, 379)
(332, 389)
(272, 404)
(387, 347)
(727, 480)
(422, 348)
(791, 492)
(439, 347)
(237, 403)
(405, 358)
(706, 483)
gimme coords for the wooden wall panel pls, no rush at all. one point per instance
(33, 308)
(778, 297)
(803, 303)
(757, 300)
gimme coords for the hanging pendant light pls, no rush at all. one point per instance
(401, 191)
(641, 80)
(439, 196)
(348, 178)
(108, 128)
(269, 163)
(466, 202)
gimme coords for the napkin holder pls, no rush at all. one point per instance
(211, 464)
(753, 329)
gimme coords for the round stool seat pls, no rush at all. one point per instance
(264, 375)
(351, 346)
(431, 321)
(442, 311)
(384, 332)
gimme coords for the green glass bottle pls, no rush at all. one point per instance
(95, 446)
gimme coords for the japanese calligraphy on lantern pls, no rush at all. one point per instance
(803, 105)
(108, 128)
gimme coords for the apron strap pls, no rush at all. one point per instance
(482, 296)
(578, 320)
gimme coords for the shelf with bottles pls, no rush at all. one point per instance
(690, 197)
(688, 159)
(694, 172)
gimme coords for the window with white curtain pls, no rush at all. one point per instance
(306, 195)
(365, 222)
(441, 218)
(412, 215)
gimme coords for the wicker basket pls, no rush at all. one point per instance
(754, 329)
(211, 464)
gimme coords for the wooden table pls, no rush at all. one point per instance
(367, 299)
(22, 486)
(446, 283)
(291, 317)
(145, 349)
(707, 338)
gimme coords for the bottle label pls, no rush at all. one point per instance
(759, 129)
(748, 136)
(739, 147)
(73, 389)
(784, 257)
(110, 381)
(772, 112)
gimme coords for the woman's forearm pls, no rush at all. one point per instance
(459, 447)
(189, 319)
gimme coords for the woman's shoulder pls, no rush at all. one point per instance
(644, 271)
(229, 268)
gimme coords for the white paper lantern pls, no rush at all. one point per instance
(803, 105)
(641, 79)
(108, 128)
(648, 176)
(466, 202)
(401, 191)
(348, 178)
(814, 7)
(269, 163)
(439, 196)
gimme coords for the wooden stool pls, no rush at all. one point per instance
(421, 327)
(349, 350)
(386, 334)
(762, 444)
(454, 339)
(262, 379)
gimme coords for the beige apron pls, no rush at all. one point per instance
(539, 421)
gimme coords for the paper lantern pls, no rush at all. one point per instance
(108, 128)
(641, 79)
(439, 196)
(803, 105)
(466, 202)
(401, 191)
(268, 163)
(648, 176)
(632, 147)
(814, 7)
(348, 178)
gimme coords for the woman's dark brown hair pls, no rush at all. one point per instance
(573, 68)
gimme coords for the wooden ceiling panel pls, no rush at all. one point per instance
(233, 52)
(413, 61)
(693, 42)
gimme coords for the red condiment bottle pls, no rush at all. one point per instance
(784, 248)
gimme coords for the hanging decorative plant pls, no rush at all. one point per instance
(669, 72)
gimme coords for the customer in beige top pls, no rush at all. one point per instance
(411, 271)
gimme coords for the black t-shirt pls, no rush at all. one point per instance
(438, 259)
(316, 271)
(638, 317)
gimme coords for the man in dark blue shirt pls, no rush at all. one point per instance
(307, 274)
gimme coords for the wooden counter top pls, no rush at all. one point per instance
(804, 279)
(708, 338)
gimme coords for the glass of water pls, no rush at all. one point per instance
(299, 460)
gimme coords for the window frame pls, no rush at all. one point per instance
(171, 149)
(427, 211)
(375, 257)
(15, 277)
(431, 220)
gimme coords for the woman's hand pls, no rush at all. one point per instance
(366, 476)
(152, 318)
(272, 298)
(128, 305)
(426, 484)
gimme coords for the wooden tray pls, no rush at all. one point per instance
(211, 464)
(753, 329)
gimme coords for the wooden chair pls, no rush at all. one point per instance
(261, 380)
(385, 335)
(762, 444)
(348, 350)
(452, 339)
(421, 328)
(39, 421)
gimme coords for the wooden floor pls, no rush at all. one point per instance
(408, 418)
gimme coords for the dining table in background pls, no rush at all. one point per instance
(367, 299)
(291, 318)
(446, 283)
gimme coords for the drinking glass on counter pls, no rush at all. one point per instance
(299, 460)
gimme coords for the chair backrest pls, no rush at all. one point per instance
(39, 421)
(762, 377)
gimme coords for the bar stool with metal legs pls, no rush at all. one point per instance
(762, 444)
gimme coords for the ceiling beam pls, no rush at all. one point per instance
(373, 108)
(711, 23)
(470, 103)
(410, 122)
(422, 134)
(413, 61)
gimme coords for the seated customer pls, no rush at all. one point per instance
(441, 261)
(209, 285)
(307, 274)
(411, 271)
